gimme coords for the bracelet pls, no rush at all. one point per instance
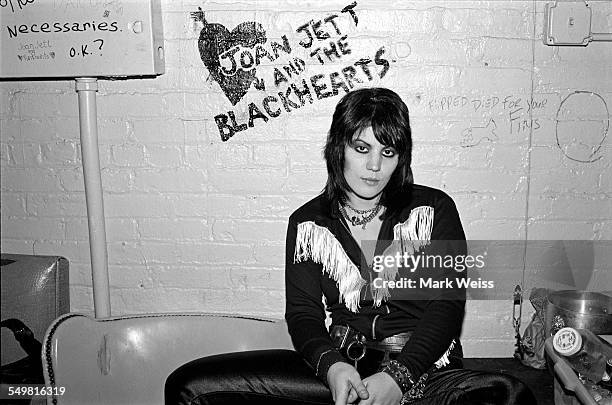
(400, 374)
(416, 391)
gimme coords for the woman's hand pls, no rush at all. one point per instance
(383, 390)
(345, 384)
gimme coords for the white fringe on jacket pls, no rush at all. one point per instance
(415, 232)
(409, 237)
(318, 244)
(444, 360)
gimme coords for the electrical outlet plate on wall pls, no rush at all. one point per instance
(567, 23)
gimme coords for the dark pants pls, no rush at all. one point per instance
(278, 377)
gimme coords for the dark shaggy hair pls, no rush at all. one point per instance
(384, 111)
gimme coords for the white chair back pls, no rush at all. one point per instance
(126, 360)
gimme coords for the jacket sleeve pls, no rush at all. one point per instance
(443, 316)
(304, 311)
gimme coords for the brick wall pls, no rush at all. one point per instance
(195, 223)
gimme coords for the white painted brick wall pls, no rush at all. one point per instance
(198, 224)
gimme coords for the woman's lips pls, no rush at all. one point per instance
(370, 181)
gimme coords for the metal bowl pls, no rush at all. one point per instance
(579, 309)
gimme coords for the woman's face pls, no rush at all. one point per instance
(368, 166)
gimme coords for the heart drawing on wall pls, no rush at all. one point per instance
(215, 39)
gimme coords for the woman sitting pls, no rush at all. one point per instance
(385, 345)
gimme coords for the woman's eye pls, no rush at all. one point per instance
(388, 153)
(361, 149)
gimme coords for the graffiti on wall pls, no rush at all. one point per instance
(474, 135)
(232, 58)
(217, 43)
(509, 113)
(581, 121)
(581, 126)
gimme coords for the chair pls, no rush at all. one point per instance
(126, 359)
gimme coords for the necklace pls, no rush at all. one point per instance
(366, 215)
(356, 211)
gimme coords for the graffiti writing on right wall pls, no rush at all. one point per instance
(581, 120)
(474, 135)
(519, 112)
(580, 136)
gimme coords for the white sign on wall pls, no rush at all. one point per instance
(80, 38)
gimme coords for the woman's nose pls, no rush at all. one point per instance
(373, 163)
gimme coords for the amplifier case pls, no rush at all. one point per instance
(35, 290)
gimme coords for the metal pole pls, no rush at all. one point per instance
(86, 89)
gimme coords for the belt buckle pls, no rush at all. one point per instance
(350, 342)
